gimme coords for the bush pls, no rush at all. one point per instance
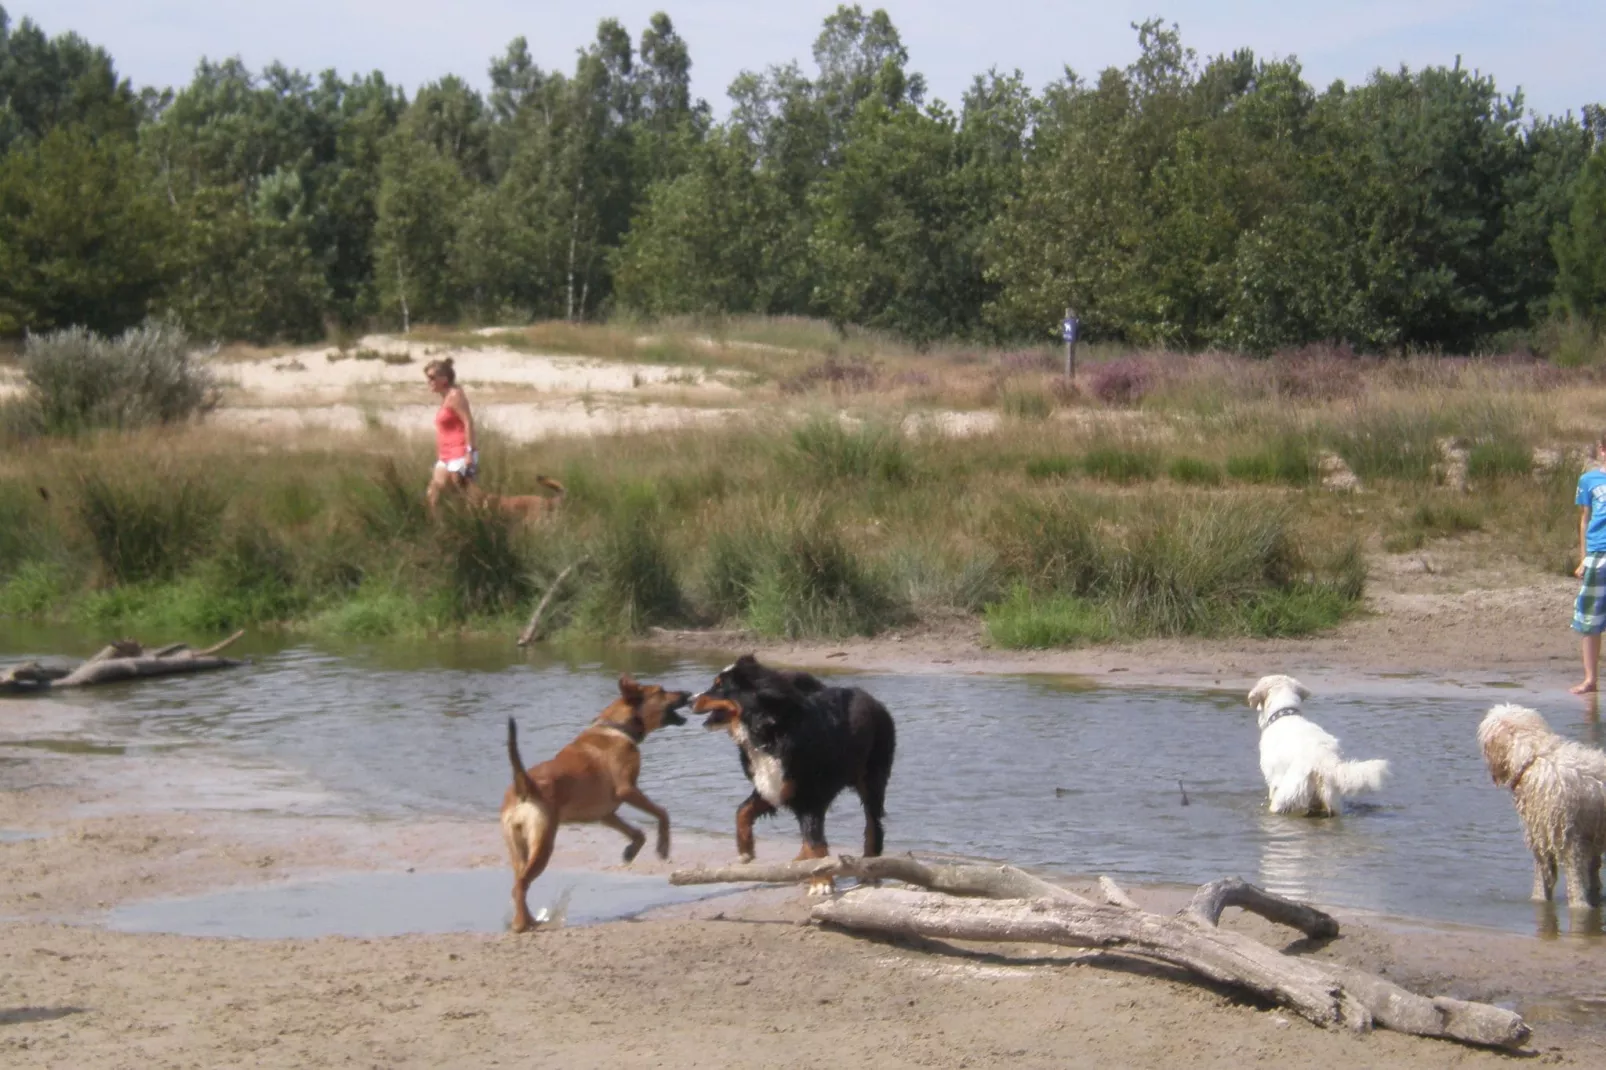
(1123, 381)
(78, 381)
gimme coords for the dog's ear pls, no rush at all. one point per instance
(1257, 696)
(1299, 689)
(746, 668)
(629, 690)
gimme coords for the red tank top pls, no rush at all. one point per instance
(451, 437)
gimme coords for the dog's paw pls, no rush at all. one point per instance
(746, 858)
(663, 849)
(631, 851)
(821, 886)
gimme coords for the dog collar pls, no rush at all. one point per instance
(633, 729)
(1516, 780)
(1276, 715)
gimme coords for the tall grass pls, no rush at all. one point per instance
(1392, 444)
(149, 526)
(830, 452)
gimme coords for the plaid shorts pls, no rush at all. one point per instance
(1589, 615)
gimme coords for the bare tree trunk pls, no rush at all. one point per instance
(574, 241)
(401, 291)
(1026, 908)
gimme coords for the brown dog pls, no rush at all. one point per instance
(527, 507)
(586, 781)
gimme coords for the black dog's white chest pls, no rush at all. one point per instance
(764, 768)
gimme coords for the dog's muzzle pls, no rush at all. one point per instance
(720, 711)
(671, 716)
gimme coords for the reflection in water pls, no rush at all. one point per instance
(1585, 924)
(1300, 857)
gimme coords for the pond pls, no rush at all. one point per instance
(1147, 785)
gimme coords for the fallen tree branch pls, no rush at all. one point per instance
(952, 878)
(1115, 895)
(1209, 901)
(532, 629)
(122, 660)
(1321, 992)
(1003, 903)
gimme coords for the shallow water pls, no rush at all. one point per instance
(1044, 772)
(395, 904)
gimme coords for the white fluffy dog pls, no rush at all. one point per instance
(1559, 788)
(1304, 773)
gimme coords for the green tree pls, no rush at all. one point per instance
(83, 235)
(1581, 246)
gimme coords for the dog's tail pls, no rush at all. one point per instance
(523, 786)
(1351, 777)
(558, 490)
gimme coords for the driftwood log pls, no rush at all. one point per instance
(121, 660)
(1014, 906)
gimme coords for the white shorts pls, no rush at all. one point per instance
(465, 466)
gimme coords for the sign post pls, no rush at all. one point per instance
(1070, 330)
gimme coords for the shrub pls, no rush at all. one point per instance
(78, 381)
(844, 376)
(1192, 471)
(1321, 372)
(1123, 381)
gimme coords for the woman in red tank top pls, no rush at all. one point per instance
(456, 460)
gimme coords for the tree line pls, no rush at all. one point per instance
(1173, 202)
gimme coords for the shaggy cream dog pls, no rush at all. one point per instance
(1559, 788)
(1303, 770)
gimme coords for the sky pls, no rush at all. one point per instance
(1548, 48)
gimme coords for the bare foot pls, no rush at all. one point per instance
(1585, 688)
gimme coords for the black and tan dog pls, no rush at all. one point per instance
(586, 781)
(801, 744)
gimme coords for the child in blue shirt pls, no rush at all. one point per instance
(1589, 615)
